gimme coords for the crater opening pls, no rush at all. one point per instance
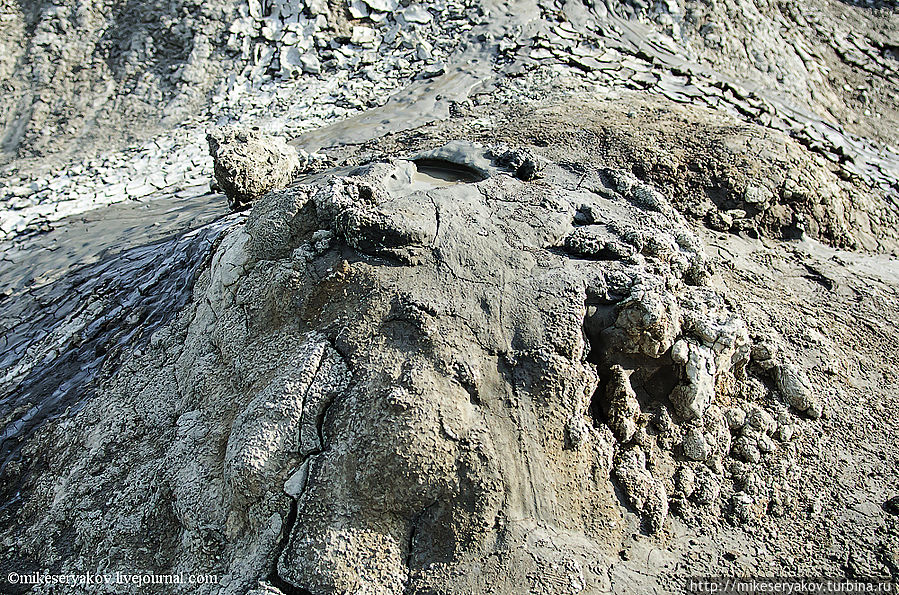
(438, 173)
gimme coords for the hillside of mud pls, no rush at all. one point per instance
(314, 296)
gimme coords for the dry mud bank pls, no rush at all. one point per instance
(539, 373)
(577, 310)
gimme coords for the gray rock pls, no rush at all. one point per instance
(766, 352)
(721, 221)
(685, 481)
(708, 488)
(815, 410)
(291, 61)
(381, 5)
(622, 408)
(757, 195)
(358, 9)
(760, 420)
(416, 13)
(310, 63)
(785, 432)
(249, 164)
(765, 444)
(743, 507)
(745, 448)
(794, 386)
(644, 492)
(363, 35)
(736, 418)
(693, 396)
(524, 162)
(695, 446)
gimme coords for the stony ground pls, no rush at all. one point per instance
(610, 134)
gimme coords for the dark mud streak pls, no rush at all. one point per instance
(273, 577)
(414, 530)
(140, 290)
(287, 528)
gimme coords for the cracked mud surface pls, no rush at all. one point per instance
(602, 297)
(555, 381)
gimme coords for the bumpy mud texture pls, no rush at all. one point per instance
(378, 387)
(538, 296)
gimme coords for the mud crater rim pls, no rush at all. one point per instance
(441, 172)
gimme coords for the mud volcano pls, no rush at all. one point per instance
(544, 296)
(397, 372)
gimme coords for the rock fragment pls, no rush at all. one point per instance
(249, 164)
(693, 396)
(695, 446)
(644, 492)
(736, 418)
(363, 35)
(685, 481)
(416, 13)
(526, 164)
(795, 388)
(760, 420)
(766, 352)
(381, 5)
(745, 448)
(622, 408)
(708, 488)
(743, 508)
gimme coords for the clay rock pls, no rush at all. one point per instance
(766, 352)
(695, 446)
(717, 346)
(697, 390)
(282, 421)
(793, 384)
(644, 492)
(249, 164)
(524, 162)
(622, 408)
(378, 385)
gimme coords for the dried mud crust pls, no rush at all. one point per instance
(541, 378)
(833, 310)
(616, 356)
(840, 58)
(837, 312)
(805, 71)
(727, 174)
(79, 77)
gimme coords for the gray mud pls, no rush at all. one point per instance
(554, 297)
(75, 299)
